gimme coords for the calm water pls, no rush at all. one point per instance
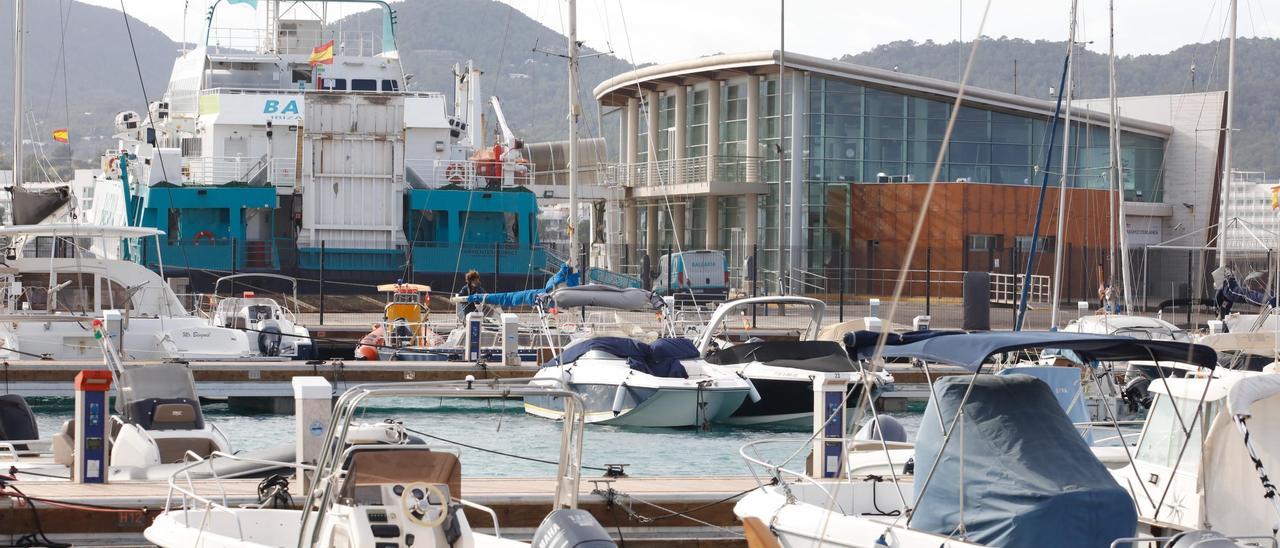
(502, 425)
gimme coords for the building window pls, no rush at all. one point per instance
(1045, 243)
(697, 123)
(982, 242)
(361, 84)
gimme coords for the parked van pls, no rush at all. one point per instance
(699, 276)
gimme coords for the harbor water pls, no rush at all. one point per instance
(503, 426)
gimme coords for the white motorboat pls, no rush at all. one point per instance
(56, 280)
(1008, 470)
(782, 371)
(273, 327)
(374, 496)
(632, 383)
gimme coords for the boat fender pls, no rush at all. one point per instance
(751, 387)
(619, 398)
(571, 527)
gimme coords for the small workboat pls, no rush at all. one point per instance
(273, 329)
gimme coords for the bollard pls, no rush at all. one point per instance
(510, 339)
(875, 308)
(1216, 327)
(92, 444)
(471, 341)
(313, 407)
(1082, 309)
(920, 323)
(872, 323)
(113, 321)
(829, 419)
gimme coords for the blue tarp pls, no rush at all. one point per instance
(1029, 479)
(661, 359)
(528, 297)
(971, 350)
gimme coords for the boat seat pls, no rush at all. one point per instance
(63, 443)
(174, 449)
(239, 323)
(380, 466)
(166, 414)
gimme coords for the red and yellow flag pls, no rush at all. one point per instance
(61, 135)
(323, 54)
(1275, 197)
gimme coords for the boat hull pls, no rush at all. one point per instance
(646, 407)
(785, 403)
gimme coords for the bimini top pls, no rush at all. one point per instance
(971, 350)
(81, 230)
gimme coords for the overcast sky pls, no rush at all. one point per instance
(670, 30)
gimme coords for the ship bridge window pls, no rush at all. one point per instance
(35, 291)
(76, 296)
(335, 84)
(115, 295)
(390, 85)
(364, 84)
(301, 75)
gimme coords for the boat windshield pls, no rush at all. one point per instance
(164, 382)
(1154, 334)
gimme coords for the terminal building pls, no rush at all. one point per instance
(707, 147)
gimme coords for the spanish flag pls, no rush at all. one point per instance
(323, 54)
(61, 135)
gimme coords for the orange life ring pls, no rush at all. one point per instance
(202, 235)
(455, 173)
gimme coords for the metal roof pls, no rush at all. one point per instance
(615, 91)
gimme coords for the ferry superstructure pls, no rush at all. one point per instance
(277, 148)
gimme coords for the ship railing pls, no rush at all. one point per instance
(470, 174)
(217, 170)
(241, 40)
(697, 169)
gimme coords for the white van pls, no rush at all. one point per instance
(700, 276)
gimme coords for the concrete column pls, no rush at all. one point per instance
(680, 238)
(632, 140)
(713, 222)
(713, 128)
(798, 213)
(751, 222)
(312, 408)
(651, 116)
(630, 224)
(680, 137)
(753, 129)
(651, 231)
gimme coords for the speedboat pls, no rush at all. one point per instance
(375, 496)
(57, 279)
(782, 371)
(274, 328)
(1138, 327)
(997, 461)
(631, 383)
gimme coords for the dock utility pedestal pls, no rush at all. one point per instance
(92, 416)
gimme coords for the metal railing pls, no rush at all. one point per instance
(684, 170)
(241, 40)
(1007, 289)
(217, 170)
(469, 174)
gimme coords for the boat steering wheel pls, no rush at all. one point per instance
(417, 500)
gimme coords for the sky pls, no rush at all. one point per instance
(656, 31)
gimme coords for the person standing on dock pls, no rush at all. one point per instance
(471, 287)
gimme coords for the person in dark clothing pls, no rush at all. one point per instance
(471, 287)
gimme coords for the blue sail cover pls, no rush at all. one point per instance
(528, 297)
(660, 359)
(1029, 479)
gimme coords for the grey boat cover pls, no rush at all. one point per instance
(31, 206)
(1029, 479)
(605, 296)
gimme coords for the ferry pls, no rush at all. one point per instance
(298, 148)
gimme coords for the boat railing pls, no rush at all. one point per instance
(761, 468)
(9, 449)
(1247, 540)
(182, 486)
(217, 170)
(242, 40)
(469, 174)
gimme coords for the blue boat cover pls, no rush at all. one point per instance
(1064, 382)
(971, 350)
(1028, 477)
(528, 297)
(660, 359)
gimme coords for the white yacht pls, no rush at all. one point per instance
(57, 278)
(272, 328)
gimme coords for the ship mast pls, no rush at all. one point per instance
(1226, 141)
(573, 131)
(17, 92)
(1066, 161)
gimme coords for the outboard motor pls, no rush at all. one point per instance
(571, 529)
(1203, 539)
(1136, 394)
(17, 422)
(887, 429)
(269, 338)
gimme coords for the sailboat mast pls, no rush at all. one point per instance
(1226, 140)
(1114, 184)
(1117, 179)
(17, 92)
(573, 130)
(1065, 181)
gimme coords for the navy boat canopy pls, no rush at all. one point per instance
(971, 350)
(660, 359)
(1027, 476)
